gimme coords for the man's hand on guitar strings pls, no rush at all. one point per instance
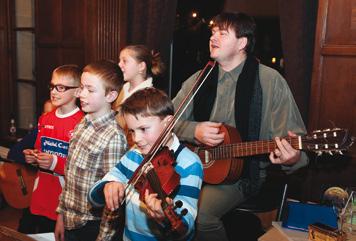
(284, 154)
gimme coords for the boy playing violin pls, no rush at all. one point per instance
(147, 113)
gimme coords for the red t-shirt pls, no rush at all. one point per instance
(54, 133)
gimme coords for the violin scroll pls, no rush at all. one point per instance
(176, 227)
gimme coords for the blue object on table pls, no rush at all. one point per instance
(300, 215)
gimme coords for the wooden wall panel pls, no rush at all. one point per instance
(48, 19)
(339, 78)
(334, 69)
(333, 89)
(76, 32)
(106, 29)
(8, 97)
(59, 39)
(73, 22)
(341, 22)
(47, 59)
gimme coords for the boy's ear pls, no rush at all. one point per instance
(111, 96)
(167, 119)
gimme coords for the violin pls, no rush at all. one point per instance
(161, 178)
(156, 172)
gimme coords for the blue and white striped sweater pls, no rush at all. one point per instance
(138, 226)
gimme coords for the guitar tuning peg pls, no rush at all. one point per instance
(340, 152)
(319, 153)
(331, 153)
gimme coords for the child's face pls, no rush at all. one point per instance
(129, 66)
(145, 130)
(92, 95)
(65, 95)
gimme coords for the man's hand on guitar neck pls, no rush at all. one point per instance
(285, 154)
(208, 133)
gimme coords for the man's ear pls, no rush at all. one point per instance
(242, 43)
(111, 96)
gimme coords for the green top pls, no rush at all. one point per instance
(279, 110)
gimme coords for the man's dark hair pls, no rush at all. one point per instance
(242, 24)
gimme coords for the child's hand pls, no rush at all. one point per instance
(114, 194)
(59, 229)
(154, 205)
(44, 160)
(30, 155)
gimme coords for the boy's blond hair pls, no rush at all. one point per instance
(108, 72)
(69, 71)
(148, 102)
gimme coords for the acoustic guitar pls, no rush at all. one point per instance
(16, 182)
(223, 164)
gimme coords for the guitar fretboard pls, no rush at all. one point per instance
(248, 148)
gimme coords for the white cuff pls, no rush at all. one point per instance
(54, 162)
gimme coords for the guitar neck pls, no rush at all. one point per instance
(252, 148)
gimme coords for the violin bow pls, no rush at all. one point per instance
(164, 137)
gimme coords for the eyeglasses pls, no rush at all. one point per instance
(61, 88)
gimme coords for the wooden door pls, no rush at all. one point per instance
(333, 92)
(333, 89)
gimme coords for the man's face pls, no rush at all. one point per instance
(224, 45)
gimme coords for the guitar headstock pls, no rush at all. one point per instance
(331, 141)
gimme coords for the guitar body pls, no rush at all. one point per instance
(223, 170)
(16, 182)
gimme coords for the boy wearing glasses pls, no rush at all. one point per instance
(51, 148)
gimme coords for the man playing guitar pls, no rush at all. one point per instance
(245, 94)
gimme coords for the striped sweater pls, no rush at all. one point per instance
(138, 226)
